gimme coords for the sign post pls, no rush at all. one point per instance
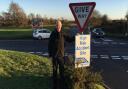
(82, 13)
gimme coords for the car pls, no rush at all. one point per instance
(98, 32)
(41, 33)
(73, 31)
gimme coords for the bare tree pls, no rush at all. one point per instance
(126, 16)
(104, 19)
(19, 16)
(96, 18)
(31, 16)
(7, 19)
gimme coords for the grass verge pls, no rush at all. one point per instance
(20, 70)
(15, 33)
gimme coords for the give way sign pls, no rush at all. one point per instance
(82, 13)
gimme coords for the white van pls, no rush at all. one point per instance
(41, 33)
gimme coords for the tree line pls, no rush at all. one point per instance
(16, 17)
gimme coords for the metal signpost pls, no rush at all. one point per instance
(82, 13)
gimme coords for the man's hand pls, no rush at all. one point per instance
(77, 34)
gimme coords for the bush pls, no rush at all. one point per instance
(82, 78)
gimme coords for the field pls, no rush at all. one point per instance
(15, 33)
(18, 33)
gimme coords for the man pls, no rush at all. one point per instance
(56, 51)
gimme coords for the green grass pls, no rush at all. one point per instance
(15, 33)
(20, 70)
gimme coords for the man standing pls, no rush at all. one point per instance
(56, 51)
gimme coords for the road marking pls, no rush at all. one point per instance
(45, 54)
(31, 52)
(105, 39)
(116, 58)
(97, 42)
(127, 71)
(114, 43)
(38, 52)
(122, 43)
(105, 85)
(94, 56)
(104, 56)
(105, 43)
(125, 58)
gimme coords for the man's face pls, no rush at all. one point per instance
(58, 26)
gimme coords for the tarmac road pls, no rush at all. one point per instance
(108, 56)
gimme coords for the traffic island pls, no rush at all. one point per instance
(81, 78)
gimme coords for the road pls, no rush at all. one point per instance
(108, 56)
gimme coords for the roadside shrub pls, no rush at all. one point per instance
(81, 78)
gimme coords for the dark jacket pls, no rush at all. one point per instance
(56, 43)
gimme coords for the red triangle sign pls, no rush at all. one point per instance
(82, 13)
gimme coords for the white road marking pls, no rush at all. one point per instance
(114, 43)
(125, 58)
(105, 39)
(127, 71)
(38, 52)
(97, 42)
(45, 54)
(31, 52)
(104, 56)
(94, 56)
(106, 85)
(105, 43)
(122, 43)
(114, 56)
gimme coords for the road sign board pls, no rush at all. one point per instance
(82, 13)
(82, 50)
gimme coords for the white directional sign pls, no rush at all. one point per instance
(82, 51)
(82, 13)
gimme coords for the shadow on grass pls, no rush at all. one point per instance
(25, 82)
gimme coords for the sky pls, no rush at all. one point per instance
(115, 9)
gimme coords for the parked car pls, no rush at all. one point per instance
(73, 31)
(41, 33)
(98, 32)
